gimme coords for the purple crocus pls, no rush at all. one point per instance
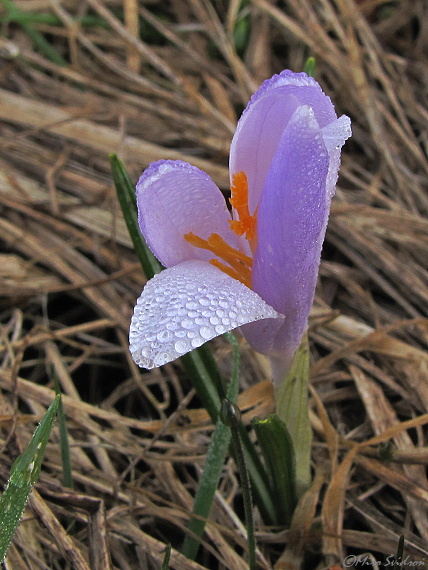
(258, 270)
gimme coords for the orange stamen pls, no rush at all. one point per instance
(239, 276)
(219, 247)
(238, 264)
(239, 200)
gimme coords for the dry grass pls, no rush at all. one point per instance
(69, 277)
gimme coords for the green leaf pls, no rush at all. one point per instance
(63, 435)
(398, 561)
(208, 485)
(213, 467)
(291, 398)
(241, 35)
(126, 194)
(278, 452)
(310, 66)
(165, 563)
(14, 14)
(24, 473)
(230, 414)
(17, 16)
(203, 372)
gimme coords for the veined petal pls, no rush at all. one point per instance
(292, 219)
(185, 306)
(263, 122)
(175, 198)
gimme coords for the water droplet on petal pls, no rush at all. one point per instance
(206, 332)
(181, 346)
(197, 341)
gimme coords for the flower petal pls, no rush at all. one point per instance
(187, 305)
(175, 198)
(267, 114)
(334, 136)
(292, 219)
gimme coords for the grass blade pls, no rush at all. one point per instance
(63, 434)
(212, 469)
(126, 194)
(310, 66)
(231, 412)
(14, 14)
(165, 563)
(208, 485)
(24, 473)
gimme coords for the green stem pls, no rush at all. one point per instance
(291, 397)
(231, 416)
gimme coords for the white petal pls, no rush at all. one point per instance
(336, 133)
(184, 306)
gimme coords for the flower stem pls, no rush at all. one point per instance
(230, 415)
(291, 398)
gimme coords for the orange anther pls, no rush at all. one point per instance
(246, 224)
(243, 274)
(238, 264)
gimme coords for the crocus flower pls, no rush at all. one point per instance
(258, 270)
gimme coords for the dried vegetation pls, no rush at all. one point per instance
(69, 277)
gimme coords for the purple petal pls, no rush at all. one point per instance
(292, 219)
(175, 198)
(187, 305)
(264, 120)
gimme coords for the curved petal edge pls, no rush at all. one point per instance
(184, 306)
(175, 198)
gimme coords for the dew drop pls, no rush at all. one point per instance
(163, 336)
(181, 346)
(187, 323)
(197, 341)
(206, 332)
(161, 358)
